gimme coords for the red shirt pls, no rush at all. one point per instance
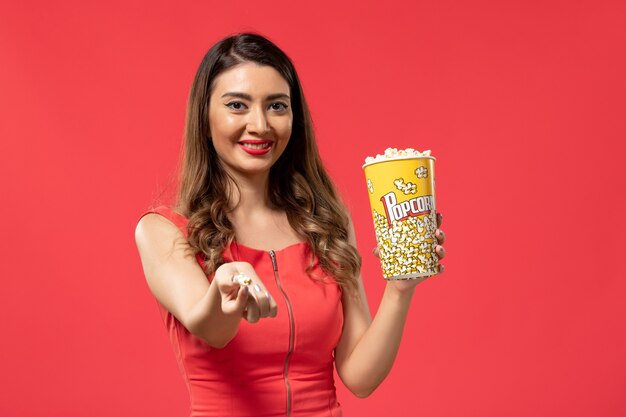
(280, 366)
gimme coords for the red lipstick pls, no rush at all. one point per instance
(261, 147)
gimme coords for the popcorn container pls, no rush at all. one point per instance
(402, 197)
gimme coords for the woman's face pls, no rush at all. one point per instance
(250, 118)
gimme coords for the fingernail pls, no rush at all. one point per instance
(267, 294)
(256, 287)
(245, 290)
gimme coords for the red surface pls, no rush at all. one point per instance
(521, 102)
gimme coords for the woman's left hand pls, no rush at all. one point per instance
(409, 284)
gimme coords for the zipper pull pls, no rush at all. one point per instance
(273, 256)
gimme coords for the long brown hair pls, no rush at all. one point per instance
(298, 182)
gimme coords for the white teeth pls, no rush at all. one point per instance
(256, 145)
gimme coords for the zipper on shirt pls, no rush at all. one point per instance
(291, 331)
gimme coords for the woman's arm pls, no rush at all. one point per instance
(368, 348)
(180, 285)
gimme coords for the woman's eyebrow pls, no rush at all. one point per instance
(249, 97)
(278, 95)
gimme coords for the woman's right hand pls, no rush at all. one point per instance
(251, 301)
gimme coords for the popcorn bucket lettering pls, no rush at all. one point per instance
(401, 188)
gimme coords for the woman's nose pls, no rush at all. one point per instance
(257, 121)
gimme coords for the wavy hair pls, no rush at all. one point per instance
(298, 182)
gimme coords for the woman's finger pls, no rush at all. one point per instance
(238, 303)
(441, 236)
(376, 252)
(273, 306)
(224, 279)
(259, 293)
(251, 314)
(439, 219)
(261, 298)
(260, 302)
(441, 269)
(440, 251)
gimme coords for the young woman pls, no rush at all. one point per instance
(255, 268)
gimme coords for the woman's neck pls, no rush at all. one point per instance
(250, 195)
(255, 222)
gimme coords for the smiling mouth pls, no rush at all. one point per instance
(256, 145)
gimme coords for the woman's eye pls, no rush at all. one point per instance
(278, 106)
(236, 105)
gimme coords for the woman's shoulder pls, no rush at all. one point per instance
(160, 220)
(164, 211)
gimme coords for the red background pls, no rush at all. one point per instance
(523, 103)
